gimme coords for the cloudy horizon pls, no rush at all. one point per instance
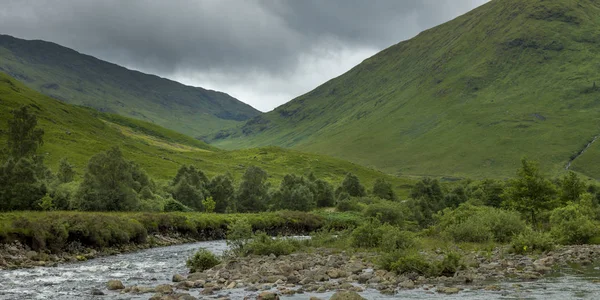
(262, 52)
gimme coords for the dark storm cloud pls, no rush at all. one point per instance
(225, 37)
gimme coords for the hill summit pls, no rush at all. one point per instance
(469, 97)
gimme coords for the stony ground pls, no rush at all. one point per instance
(324, 270)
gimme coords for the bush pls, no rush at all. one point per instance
(202, 260)
(174, 205)
(403, 262)
(239, 233)
(263, 244)
(393, 239)
(386, 212)
(478, 224)
(348, 204)
(572, 225)
(367, 235)
(532, 241)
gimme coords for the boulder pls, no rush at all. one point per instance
(346, 296)
(164, 289)
(178, 278)
(268, 296)
(97, 292)
(114, 285)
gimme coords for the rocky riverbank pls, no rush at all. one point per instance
(324, 270)
(16, 255)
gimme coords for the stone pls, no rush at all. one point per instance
(407, 284)
(178, 278)
(346, 296)
(114, 285)
(268, 296)
(231, 285)
(448, 290)
(97, 292)
(164, 289)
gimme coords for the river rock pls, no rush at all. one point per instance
(164, 289)
(268, 296)
(448, 290)
(407, 284)
(97, 292)
(114, 285)
(178, 278)
(346, 296)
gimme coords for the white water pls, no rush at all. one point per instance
(156, 266)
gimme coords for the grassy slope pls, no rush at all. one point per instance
(77, 133)
(467, 98)
(84, 80)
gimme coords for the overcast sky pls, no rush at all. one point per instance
(263, 52)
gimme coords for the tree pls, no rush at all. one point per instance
(352, 186)
(383, 190)
(571, 187)
(209, 205)
(22, 175)
(189, 186)
(324, 193)
(23, 138)
(66, 172)
(427, 199)
(111, 183)
(222, 191)
(457, 196)
(253, 191)
(529, 192)
(295, 193)
(20, 187)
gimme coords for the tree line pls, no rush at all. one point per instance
(110, 182)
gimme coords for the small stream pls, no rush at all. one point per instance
(157, 266)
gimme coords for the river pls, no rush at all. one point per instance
(156, 266)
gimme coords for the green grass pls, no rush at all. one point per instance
(84, 80)
(467, 98)
(77, 133)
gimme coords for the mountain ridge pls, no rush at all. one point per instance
(82, 79)
(466, 98)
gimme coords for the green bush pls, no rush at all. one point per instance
(367, 235)
(263, 244)
(239, 234)
(393, 239)
(403, 262)
(202, 260)
(386, 212)
(349, 204)
(174, 205)
(572, 225)
(478, 224)
(532, 241)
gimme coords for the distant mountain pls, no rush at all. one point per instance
(470, 97)
(81, 79)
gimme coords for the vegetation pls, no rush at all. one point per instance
(202, 260)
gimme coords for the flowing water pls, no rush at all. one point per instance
(156, 266)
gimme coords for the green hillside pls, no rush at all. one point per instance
(84, 80)
(470, 97)
(77, 133)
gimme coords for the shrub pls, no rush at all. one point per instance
(367, 235)
(403, 262)
(202, 260)
(572, 225)
(392, 239)
(470, 223)
(263, 244)
(348, 204)
(531, 241)
(386, 212)
(239, 233)
(174, 205)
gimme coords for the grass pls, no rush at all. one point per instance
(467, 98)
(84, 80)
(77, 133)
(56, 230)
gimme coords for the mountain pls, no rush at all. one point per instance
(469, 97)
(81, 79)
(77, 133)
